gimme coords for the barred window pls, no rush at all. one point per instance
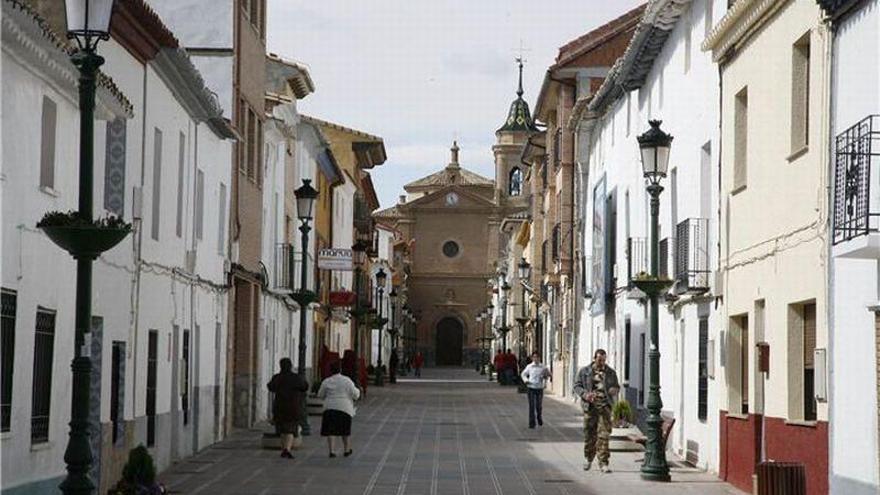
(9, 302)
(44, 349)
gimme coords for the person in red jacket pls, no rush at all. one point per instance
(499, 363)
(510, 367)
(417, 362)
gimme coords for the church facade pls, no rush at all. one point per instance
(452, 219)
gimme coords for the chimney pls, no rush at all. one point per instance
(402, 199)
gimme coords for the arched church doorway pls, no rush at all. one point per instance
(450, 335)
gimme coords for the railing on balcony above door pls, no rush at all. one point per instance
(692, 256)
(288, 269)
(636, 258)
(857, 181)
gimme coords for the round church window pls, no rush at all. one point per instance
(450, 249)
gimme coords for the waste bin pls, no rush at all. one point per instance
(782, 478)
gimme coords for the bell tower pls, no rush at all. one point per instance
(509, 141)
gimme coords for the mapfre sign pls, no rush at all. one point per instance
(335, 259)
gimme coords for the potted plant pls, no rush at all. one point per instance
(138, 475)
(650, 284)
(622, 414)
(81, 237)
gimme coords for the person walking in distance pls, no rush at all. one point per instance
(393, 363)
(417, 361)
(498, 362)
(289, 404)
(339, 394)
(597, 385)
(534, 376)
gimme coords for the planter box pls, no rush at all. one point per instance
(621, 440)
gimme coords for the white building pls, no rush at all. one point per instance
(654, 79)
(854, 278)
(162, 162)
(286, 82)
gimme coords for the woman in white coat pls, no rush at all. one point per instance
(339, 394)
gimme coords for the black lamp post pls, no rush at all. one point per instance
(359, 255)
(654, 145)
(505, 290)
(487, 319)
(381, 277)
(392, 298)
(305, 201)
(88, 22)
(524, 269)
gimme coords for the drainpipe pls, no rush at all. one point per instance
(137, 250)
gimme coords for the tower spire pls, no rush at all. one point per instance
(519, 90)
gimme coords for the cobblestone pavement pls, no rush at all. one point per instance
(451, 432)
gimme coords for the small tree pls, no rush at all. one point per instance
(622, 413)
(138, 475)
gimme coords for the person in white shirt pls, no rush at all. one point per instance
(534, 377)
(339, 394)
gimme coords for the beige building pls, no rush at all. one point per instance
(774, 68)
(453, 219)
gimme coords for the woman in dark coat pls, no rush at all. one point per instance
(289, 405)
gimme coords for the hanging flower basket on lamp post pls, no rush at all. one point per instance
(82, 238)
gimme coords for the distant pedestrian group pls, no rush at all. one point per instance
(505, 366)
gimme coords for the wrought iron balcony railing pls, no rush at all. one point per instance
(857, 181)
(288, 269)
(636, 258)
(692, 256)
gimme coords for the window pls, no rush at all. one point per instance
(450, 249)
(515, 184)
(627, 354)
(157, 183)
(7, 315)
(643, 371)
(703, 370)
(801, 375)
(663, 255)
(800, 94)
(251, 143)
(47, 143)
(738, 364)
(556, 243)
(184, 399)
(687, 43)
(221, 229)
(44, 347)
(152, 361)
(198, 221)
(114, 167)
(707, 20)
(181, 175)
(740, 139)
(117, 387)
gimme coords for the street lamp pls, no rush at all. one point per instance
(359, 255)
(88, 21)
(381, 277)
(488, 317)
(505, 290)
(654, 146)
(524, 269)
(305, 200)
(392, 297)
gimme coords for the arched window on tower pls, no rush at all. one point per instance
(515, 182)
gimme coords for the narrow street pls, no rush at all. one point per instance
(449, 432)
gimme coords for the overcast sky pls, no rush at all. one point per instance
(419, 73)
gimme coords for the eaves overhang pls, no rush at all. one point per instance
(631, 70)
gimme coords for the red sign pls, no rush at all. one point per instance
(342, 298)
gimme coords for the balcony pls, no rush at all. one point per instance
(856, 230)
(637, 250)
(692, 256)
(288, 270)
